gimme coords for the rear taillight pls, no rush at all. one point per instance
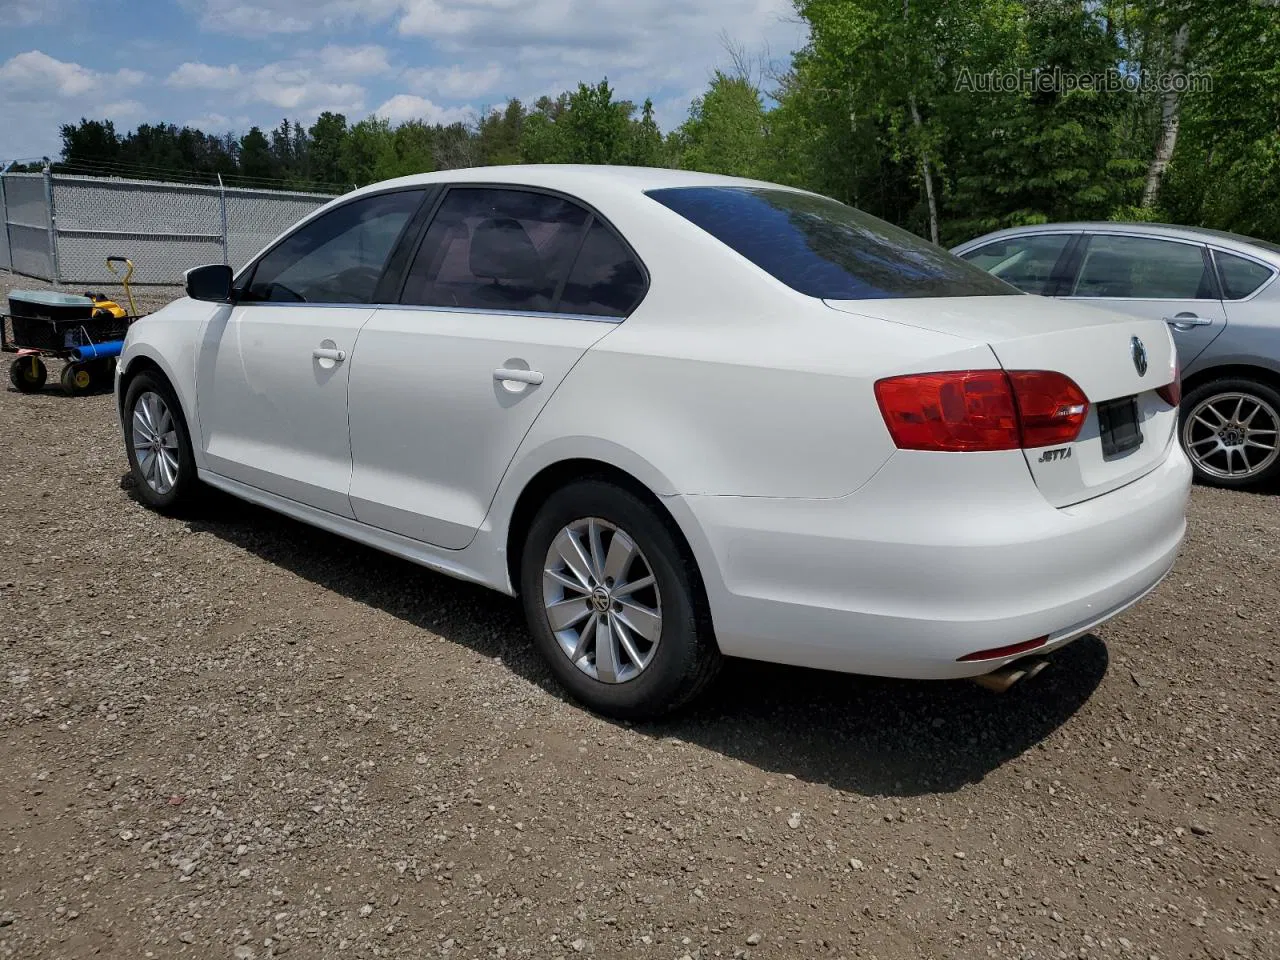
(1171, 393)
(969, 410)
(1051, 408)
(961, 410)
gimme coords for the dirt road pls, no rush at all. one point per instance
(234, 736)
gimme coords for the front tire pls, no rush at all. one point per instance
(614, 602)
(158, 444)
(1230, 430)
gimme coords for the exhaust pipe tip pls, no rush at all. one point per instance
(999, 681)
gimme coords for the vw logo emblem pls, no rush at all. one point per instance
(600, 599)
(1139, 356)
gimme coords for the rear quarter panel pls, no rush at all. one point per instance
(1251, 337)
(725, 381)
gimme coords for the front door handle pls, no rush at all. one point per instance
(515, 375)
(329, 353)
(1185, 321)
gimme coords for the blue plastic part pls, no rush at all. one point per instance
(93, 351)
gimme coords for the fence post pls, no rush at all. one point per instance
(4, 217)
(222, 202)
(53, 229)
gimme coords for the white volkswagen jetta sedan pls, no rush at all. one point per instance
(682, 417)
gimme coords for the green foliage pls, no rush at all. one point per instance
(726, 131)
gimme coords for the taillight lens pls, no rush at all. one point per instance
(1051, 408)
(1171, 393)
(961, 410)
(969, 410)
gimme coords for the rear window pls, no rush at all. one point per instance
(827, 249)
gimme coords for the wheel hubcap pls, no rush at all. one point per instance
(602, 600)
(155, 442)
(1232, 436)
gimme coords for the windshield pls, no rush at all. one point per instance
(826, 249)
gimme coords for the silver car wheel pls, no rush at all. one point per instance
(1232, 436)
(155, 442)
(602, 601)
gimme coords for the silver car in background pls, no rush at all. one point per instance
(1218, 293)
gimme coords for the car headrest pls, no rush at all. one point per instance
(502, 250)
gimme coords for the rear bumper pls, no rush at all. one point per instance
(937, 557)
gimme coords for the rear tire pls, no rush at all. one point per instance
(638, 592)
(158, 444)
(28, 374)
(1230, 430)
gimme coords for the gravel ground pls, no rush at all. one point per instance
(235, 736)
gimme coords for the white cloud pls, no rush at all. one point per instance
(364, 61)
(407, 106)
(291, 85)
(119, 110)
(455, 82)
(667, 47)
(37, 72)
(204, 76)
(26, 13)
(290, 16)
(37, 92)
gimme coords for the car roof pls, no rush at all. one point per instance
(571, 178)
(1219, 238)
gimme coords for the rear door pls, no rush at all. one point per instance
(506, 291)
(1162, 279)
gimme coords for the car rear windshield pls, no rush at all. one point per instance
(827, 249)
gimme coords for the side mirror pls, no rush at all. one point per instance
(211, 283)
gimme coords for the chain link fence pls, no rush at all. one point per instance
(63, 228)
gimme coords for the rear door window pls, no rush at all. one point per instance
(606, 280)
(1240, 276)
(1030, 263)
(496, 249)
(826, 249)
(1143, 268)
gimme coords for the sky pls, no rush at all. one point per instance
(226, 65)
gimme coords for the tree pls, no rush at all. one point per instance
(255, 156)
(325, 157)
(645, 147)
(90, 143)
(725, 131)
(594, 125)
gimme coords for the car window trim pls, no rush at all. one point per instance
(1222, 287)
(480, 311)
(593, 215)
(248, 271)
(1057, 273)
(1088, 236)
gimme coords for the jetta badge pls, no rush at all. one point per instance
(1139, 356)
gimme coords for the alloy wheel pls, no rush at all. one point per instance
(155, 442)
(601, 600)
(1232, 436)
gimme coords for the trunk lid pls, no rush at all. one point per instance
(1119, 361)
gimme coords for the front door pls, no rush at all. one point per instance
(507, 291)
(274, 368)
(1169, 280)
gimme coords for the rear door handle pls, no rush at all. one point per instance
(329, 353)
(513, 375)
(1185, 321)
